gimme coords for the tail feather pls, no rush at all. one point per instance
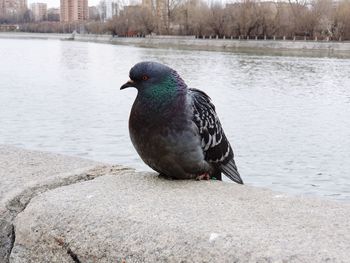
(230, 170)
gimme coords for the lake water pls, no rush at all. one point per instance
(287, 118)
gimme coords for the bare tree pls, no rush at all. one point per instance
(248, 18)
(218, 19)
(342, 21)
(322, 12)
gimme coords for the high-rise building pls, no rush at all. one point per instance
(53, 14)
(111, 8)
(74, 10)
(2, 8)
(12, 7)
(108, 8)
(39, 11)
(94, 13)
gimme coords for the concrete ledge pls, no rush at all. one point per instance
(126, 216)
(25, 174)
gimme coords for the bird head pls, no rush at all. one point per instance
(152, 75)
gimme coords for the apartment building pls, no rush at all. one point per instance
(39, 11)
(74, 10)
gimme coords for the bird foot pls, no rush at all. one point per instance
(204, 176)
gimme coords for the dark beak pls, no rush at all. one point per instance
(128, 84)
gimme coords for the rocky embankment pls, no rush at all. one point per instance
(55, 208)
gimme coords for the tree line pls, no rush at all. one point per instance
(298, 19)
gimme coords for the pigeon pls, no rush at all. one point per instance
(175, 129)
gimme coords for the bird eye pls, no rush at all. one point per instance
(145, 77)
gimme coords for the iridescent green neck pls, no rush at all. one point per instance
(161, 94)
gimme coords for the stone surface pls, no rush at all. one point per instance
(24, 174)
(125, 216)
(139, 217)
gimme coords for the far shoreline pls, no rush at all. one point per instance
(271, 47)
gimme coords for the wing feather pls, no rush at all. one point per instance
(216, 147)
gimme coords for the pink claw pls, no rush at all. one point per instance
(204, 176)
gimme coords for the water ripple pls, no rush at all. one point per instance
(286, 117)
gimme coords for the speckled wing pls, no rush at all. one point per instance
(216, 148)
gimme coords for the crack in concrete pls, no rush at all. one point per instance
(69, 251)
(6, 239)
(73, 255)
(21, 201)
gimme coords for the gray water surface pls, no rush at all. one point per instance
(287, 118)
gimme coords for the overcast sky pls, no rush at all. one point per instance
(56, 3)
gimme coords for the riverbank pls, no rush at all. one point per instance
(278, 47)
(24, 35)
(56, 208)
